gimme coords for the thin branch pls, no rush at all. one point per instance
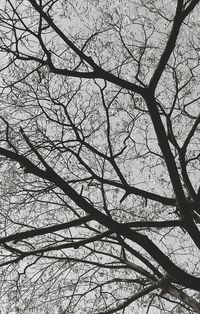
(98, 72)
(181, 276)
(161, 282)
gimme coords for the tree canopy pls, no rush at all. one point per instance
(99, 156)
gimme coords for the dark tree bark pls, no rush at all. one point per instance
(99, 148)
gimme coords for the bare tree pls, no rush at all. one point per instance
(99, 155)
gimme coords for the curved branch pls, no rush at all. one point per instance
(180, 15)
(171, 167)
(98, 71)
(180, 276)
(191, 133)
(160, 283)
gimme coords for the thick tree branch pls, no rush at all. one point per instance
(178, 274)
(41, 231)
(161, 282)
(190, 7)
(155, 224)
(183, 297)
(180, 15)
(172, 168)
(191, 134)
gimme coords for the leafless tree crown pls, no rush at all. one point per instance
(99, 156)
